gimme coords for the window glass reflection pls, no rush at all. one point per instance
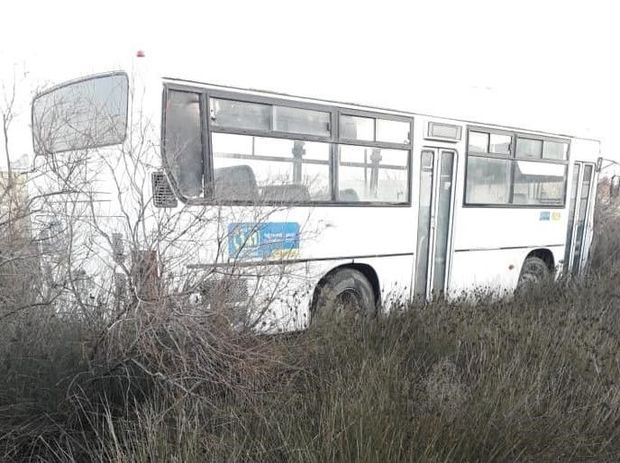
(372, 174)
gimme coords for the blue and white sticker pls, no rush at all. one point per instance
(544, 215)
(263, 240)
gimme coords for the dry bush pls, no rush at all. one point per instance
(534, 378)
(531, 379)
(605, 252)
(67, 385)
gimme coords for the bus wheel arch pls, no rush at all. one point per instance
(363, 274)
(545, 255)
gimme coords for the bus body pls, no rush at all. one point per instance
(260, 198)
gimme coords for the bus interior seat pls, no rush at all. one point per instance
(348, 195)
(236, 182)
(286, 193)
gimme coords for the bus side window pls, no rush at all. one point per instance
(270, 170)
(183, 145)
(372, 174)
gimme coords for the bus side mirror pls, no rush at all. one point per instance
(599, 163)
(81, 114)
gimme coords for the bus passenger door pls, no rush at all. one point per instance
(436, 199)
(577, 237)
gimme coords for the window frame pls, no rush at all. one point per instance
(371, 203)
(512, 157)
(542, 147)
(374, 143)
(332, 140)
(557, 140)
(547, 206)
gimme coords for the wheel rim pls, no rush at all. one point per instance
(349, 301)
(530, 278)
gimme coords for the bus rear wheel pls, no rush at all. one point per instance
(345, 292)
(533, 273)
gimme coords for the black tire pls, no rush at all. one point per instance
(533, 273)
(346, 291)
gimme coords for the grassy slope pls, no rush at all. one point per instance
(536, 378)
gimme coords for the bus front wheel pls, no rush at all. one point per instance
(345, 292)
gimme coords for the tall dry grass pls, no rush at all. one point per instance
(535, 378)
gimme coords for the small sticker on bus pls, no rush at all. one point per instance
(556, 215)
(276, 240)
(544, 215)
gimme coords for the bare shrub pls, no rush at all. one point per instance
(605, 252)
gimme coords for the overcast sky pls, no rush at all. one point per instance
(543, 65)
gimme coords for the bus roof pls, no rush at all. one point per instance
(268, 93)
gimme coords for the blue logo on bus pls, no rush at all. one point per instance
(268, 239)
(544, 215)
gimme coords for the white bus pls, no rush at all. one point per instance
(282, 206)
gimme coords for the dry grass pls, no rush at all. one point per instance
(536, 378)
